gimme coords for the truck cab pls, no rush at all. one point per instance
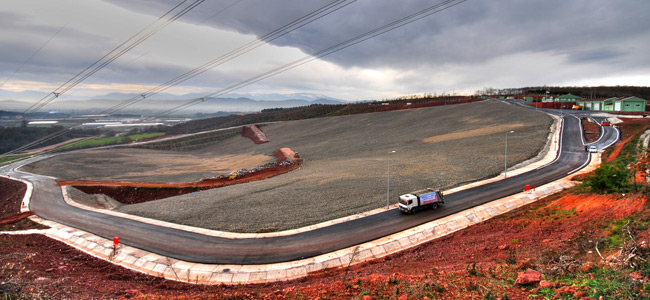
(408, 202)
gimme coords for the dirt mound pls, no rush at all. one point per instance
(96, 200)
(285, 154)
(591, 130)
(255, 134)
(11, 197)
(13, 191)
(15, 218)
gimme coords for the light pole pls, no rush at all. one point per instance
(505, 160)
(388, 191)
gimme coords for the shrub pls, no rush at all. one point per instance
(609, 179)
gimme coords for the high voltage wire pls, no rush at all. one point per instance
(101, 63)
(105, 60)
(275, 34)
(32, 56)
(338, 47)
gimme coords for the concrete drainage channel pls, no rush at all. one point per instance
(161, 266)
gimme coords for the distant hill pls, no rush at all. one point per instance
(153, 106)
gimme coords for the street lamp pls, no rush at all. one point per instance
(388, 191)
(505, 161)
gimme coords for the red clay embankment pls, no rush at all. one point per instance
(255, 134)
(138, 192)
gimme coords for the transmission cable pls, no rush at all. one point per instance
(338, 47)
(275, 34)
(291, 26)
(81, 76)
(32, 56)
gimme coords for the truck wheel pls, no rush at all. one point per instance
(434, 206)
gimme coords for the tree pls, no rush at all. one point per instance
(609, 179)
(642, 164)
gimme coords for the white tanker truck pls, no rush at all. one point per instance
(426, 198)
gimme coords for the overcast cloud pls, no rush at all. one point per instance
(477, 44)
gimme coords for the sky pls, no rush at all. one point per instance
(474, 45)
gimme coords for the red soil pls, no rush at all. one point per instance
(285, 154)
(15, 218)
(591, 130)
(35, 266)
(500, 247)
(138, 192)
(255, 134)
(11, 197)
(617, 150)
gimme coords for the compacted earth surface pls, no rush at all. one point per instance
(345, 168)
(566, 246)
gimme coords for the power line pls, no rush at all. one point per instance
(338, 47)
(107, 58)
(32, 56)
(103, 62)
(275, 34)
(291, 26)
(220, 11)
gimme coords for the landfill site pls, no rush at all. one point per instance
(347, 164)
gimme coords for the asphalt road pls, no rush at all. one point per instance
(48, 203)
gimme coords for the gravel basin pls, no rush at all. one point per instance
(346, 165)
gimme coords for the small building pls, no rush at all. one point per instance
(567, 98)
(629, 104)
(592, 104)
(613, 104)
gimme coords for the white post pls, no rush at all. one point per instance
(388, 191)
(505, 161)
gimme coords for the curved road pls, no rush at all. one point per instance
(47, 202)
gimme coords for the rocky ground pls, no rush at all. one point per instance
(346, 164)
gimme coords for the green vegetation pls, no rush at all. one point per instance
(12, 138)
(105, 141)
(11, 158)
(609, 283)
(546, 293)
(609, 179)
(614, 177)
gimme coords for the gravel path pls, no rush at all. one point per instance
(346, 160)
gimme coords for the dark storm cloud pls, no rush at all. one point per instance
(471, 32)
(69, 52)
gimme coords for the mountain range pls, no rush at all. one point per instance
(163, 102)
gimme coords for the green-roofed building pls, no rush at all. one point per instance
(629, 104)
(567, 98)
(613, 104)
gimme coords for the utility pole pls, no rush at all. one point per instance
(505, 161)
(388, 191)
